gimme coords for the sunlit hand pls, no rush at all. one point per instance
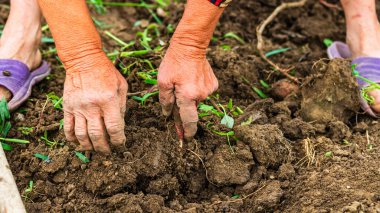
(185, 78)
(94, 103)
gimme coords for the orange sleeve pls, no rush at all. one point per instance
(73, 31)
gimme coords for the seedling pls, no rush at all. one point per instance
(82, 157)
(227, 120)
(366, 90)
(99, 6)
(5, 126)
(25, 130)
(235, 196)
(119, 41)
(45, 158)
(145, 97)
(275, 52)
(28, 191)
(259, 92)
(57, 101)
(234, 36)
(51, 144)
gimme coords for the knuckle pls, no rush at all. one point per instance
(95, 135)
(115, 128)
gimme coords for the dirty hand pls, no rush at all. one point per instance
(185, 77)
(184, 80)
(94, 102)
(94, 96)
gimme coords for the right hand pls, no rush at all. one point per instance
(185, 78)
(94, 104)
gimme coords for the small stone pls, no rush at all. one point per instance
(19, 117)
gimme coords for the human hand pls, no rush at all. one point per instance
(185, 78)
(94, 104)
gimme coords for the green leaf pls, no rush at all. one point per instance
(14, 140)
(230, 105)
(277, 51)
(228, 121)
(260, 93)
(328, 154)
(81, 157)
(225, 47)
(6, 147)
(30, 188)
(234, 36)
(235, 197)
(151, 81)
(328, 42)
(205, 107)
(41, 156)
(264, 84)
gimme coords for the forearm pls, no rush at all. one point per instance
(197, 25)
(73, 30)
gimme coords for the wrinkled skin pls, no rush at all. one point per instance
(92, 112)
(95, 92)
(184, 80)
(185, 76)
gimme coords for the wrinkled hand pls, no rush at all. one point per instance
(185, 78)
(94, 103)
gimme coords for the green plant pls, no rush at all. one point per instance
(45, 158)
(57, 101)
(5, 126)
(51, 144)
(366, 90)
(144, 97)
(82, 157)
(275, 52)
(25, 130)
(28, 190)
(234, 36)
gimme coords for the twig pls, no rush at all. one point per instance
(216, 106)
(42, 114)
(150, 90)
(329, 5)
(260, 40)
(199, 157)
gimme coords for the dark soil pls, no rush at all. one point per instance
(313, 151)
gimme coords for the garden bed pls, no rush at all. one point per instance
(311, 152)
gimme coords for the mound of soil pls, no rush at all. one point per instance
(310, 152)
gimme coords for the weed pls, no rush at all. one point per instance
(277, 51)
(28, 191)
(234, 36)
(57, 101)
(25, 130)
(51, 144)
(144, 97)
(45, 158)
(82, 157)
(5, 126)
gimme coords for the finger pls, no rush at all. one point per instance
(167, 99)
(114, 122)
(123, 90)
(81, 132)
(189, 117)
(68, 126)
(96, 133)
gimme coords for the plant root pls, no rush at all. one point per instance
(260, 39)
